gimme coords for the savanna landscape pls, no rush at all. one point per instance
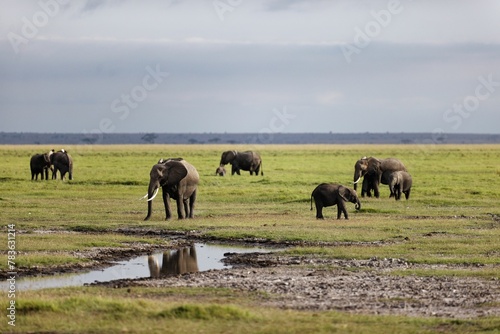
(430, 264)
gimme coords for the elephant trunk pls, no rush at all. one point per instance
(152, 191)
(356, 178)
(358, 204)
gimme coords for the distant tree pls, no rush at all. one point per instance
(214, 140)
(149, 137)
(193, 141)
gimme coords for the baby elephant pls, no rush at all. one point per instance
(221, 171)
(328, 194)
(399, 182)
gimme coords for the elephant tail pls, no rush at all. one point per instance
(311, 202)
(261, 169)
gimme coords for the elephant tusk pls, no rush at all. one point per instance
(143, 197)
(156, 193)
(359, 178)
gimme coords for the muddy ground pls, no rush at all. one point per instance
(313, 283)
(308, 283)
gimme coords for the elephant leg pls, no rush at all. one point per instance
(180, 208)
(186, 207)
(407, 194)
(376, 192)
(192, 199)
(166, 203)
(399, 190)
(341, 209)
(257, 170)
(364, 187)
(319, 211)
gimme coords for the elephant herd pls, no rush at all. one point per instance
(179, 180)
(59, 161)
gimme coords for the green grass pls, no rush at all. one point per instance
(167, 310)
(452, 218)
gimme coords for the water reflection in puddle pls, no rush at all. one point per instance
(198, 257)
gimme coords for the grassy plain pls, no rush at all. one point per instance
(452, 217)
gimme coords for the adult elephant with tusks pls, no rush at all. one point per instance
(374, 171)
(179, 181)
(248, 160)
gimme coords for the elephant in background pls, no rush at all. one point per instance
(174, 262)
(374, 171)
(399, 182)
(248, 160)
(329, 194)
(62, 162)
(179, 181)
(40, 164)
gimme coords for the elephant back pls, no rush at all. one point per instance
(392, 165)
(192, 174)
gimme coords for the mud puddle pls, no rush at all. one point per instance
(198, 257)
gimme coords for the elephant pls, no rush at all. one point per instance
(221, 171)
(179, 181)
(375, 171)
(399, 182)
(40, 164)
(329, 194)
(62, 162)
(174, 262)
(248, 160)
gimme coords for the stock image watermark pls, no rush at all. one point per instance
(372, 29)
(121, 107)
(222, 7)
(280, 120)
(463, 110)
(454, 117)
(12, 274)
(31, 26)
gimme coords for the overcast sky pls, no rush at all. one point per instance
(250, 66)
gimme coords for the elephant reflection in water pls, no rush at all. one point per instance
(175, 262)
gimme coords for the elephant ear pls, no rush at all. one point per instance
(343, 192)
(227, 157)
(175, 171)
(374, 165)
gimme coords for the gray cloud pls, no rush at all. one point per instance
(233, 75)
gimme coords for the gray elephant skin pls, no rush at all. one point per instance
(40, 164)
(62, 162)
(374, 171)
(247, 161)
(329, 194)
(399, 182)
(179, 181)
